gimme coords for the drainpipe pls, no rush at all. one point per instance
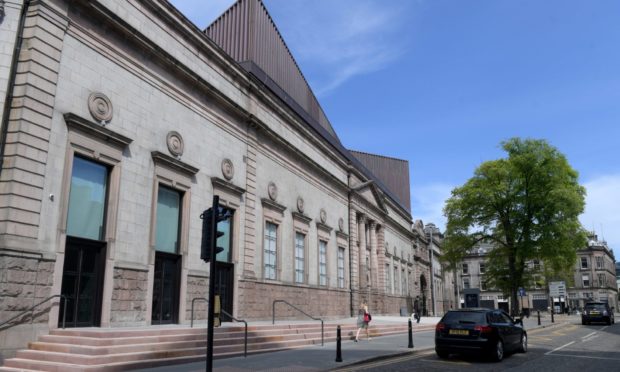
(19, 38)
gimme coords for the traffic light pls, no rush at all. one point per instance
(208, 240)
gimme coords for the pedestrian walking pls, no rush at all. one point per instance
(363, 320)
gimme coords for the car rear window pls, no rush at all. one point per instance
(471, 317)
(595, 306)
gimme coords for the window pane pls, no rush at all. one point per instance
(299, 257)
(340, 267)
(270, 251)
(87, 199)
(322, 263)
(168, 215)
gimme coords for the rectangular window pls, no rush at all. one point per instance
(465, 283)
(388, 279)
(403, 282)
(87, 199)
(599, 262)
(483, 285)
(270, 254)
(300, 261)
(601, 280)
(465, 269)
(322, 262)
(482, 268)
(340, 267)
(584, 262)
(396, 290)
(585, 280)
(168, 220)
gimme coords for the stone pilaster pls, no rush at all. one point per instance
(30, 120)
(249, 238)
(354, 249)
(374, 266)
(381, 274)
(362, 252)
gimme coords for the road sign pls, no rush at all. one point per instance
(557, 289)
(522, 292)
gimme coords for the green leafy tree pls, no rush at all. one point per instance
(526, 206)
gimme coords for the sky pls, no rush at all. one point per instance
(441, 83)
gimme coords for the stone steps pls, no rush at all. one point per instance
(96, 349)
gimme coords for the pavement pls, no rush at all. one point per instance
(323, 358)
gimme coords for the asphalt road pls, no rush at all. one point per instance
(563, 348)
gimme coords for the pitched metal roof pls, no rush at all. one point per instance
(247, 33)
(394, 173)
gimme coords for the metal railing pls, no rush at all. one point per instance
(31, 310)
(245, 347)
(273, 316)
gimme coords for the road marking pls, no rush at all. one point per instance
(590, 338)
(559, 348)
(451, 362)
(583, 356)
(380, 363)
(590, 334)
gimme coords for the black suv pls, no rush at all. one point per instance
(486, 331)
(597, 312)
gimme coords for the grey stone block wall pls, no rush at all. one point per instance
(197, 286)
(129, 297)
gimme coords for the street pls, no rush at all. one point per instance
(568, 347)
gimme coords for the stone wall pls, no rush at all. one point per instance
(197, 286)
(255, 301)
(129, 297)
(24, 282)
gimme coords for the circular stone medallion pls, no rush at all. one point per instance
(272, 190)
(228, 169)
(323, 215)
(175, 143)
(341, 224)
(300, 204)
(100, 107)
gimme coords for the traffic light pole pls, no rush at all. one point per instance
(212, 242)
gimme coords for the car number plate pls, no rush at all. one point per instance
(594, 312)
(459, 332)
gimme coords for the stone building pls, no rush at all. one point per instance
(121, 120)
(593, 279)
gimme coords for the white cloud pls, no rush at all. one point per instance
(427, 202)
(340, 39)
(602, 204)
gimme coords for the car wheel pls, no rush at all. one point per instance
(523, 346)
(442, 354)
(498, 352)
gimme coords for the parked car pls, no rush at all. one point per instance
(485, 331)
(597, 312)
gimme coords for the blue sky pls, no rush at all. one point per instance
(442, 82)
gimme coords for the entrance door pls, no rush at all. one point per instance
(166, 289)
(224, 287)
(82, 282)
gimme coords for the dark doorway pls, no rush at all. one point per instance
(423, 286)
(166, 289)
(82, 282)
(224, 287)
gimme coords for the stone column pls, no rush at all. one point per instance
(354, 249)
(374, 266)
(381, 274)
(362, 251)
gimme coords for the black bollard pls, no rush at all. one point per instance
(552, 320)
(410, 335)
(538, 317)
(338, 348)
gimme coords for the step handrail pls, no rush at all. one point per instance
(31, 309)
(245, 348)
(273, 316)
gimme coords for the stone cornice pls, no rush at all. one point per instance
(227, 186)
(342, 235)
(323, 226)
(273, 205)
(93, 129)
(160, 158)
(301, 217)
